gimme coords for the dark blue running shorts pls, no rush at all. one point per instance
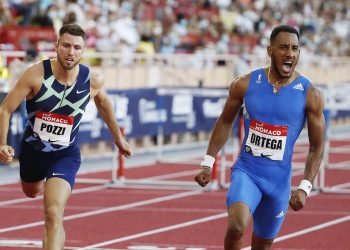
(36, 165)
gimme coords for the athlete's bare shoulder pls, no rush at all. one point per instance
(314, 95)
(239, 85)
(314, 99)
(31, 79)
(96, 83)
(35, 71)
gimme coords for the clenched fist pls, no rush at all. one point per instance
(6, 154)
(203, 177)
(297, 200)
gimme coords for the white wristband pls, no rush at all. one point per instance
(208, 162)
(306, 186)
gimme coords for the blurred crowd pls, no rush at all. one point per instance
(188, 26)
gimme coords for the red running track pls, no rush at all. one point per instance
(98, 217)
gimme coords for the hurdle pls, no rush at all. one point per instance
(120, 180)
(337, 104)
(163, 153)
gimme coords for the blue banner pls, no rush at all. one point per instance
(166, 110)
(144, 112)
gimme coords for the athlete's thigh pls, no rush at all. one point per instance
(66, 165)
(270, 214)
(57, 192)
(243, 189)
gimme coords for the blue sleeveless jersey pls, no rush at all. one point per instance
(272, 121)
(60, 100)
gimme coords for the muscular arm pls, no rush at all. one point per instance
(105, 109)
(224, 123)
(316, 131)
(26, 87)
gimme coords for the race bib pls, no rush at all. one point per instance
(53, 128)
(266, 140)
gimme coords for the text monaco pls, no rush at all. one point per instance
(55, 119)
(268, 131)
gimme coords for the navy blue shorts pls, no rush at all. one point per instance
(266, 191)
(36, 165)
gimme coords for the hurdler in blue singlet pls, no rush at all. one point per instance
(53, 121)
(261, 176)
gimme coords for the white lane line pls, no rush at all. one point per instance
(108, 210)
(158, 230)
(76, 191)
(38, 244)
(214, 217)
(96, 188)
(20, 242)
(309, 230)
(314, 228)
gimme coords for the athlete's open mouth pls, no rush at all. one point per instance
(287, 66)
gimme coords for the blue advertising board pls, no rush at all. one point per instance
(144, 112)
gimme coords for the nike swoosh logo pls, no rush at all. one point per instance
(81, 91)
(53, 140)
(262, 155)
(55, 174)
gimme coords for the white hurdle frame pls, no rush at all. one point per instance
(343, 188)
(332, 105)
(119, 179)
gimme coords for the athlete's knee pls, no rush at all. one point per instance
(238, 220)
(235, 232)
(235, 228)
(53, 215)
(30, 194)
(32, 190)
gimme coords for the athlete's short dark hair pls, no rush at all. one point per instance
(73, 29)
(282, 28)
